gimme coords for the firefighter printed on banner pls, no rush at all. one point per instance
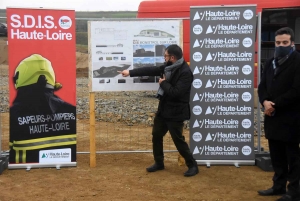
(42, 125)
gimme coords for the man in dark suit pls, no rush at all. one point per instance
(279, 94)
(173, 109)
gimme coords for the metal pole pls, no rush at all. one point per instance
(258, 79)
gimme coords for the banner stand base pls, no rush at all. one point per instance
(236, 163)
(29, 166)
(263, 161)
(3, 163)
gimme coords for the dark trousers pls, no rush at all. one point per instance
(286, 164)
(160, 128)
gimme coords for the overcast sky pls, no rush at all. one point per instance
(78, 5)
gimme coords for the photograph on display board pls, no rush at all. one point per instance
(156, 60)
(109, 70)
(160, 49)
(143, 50)
(159, 61)
(141, 62)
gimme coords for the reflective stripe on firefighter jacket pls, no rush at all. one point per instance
(22, 146)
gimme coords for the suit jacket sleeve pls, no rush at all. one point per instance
(262, 87)
(145, 71)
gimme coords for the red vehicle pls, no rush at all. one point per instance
(275, 14)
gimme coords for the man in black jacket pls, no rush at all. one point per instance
(173, 108)
(279, 94)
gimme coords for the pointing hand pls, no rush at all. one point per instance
(124, 73)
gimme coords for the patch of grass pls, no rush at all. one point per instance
(82, 48)
(82, 38)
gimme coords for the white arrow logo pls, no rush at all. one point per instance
(208, 84)
(196, 71)
(208, 137)
(196, 44)
(209, 57)
(208, 111)
(209, 30)
(196, 124)
(197, 16)
(196, 97)
(196, 150)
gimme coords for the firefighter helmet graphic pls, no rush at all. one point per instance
(31, 68)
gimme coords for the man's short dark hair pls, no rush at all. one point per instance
(174, 50)
(286, 30)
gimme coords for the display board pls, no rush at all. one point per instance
(125, 45)
(222, 60)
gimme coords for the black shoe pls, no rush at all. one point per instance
(155, 167)
(288, 198)
(271, 191)
(192, 171)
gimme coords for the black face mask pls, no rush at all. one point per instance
(282, 51)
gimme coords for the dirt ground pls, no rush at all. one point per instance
(123, 176)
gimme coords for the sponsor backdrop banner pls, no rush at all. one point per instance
(121, 45)
(222, 61)
(42, 84)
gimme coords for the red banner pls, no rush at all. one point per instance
(42, 83)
